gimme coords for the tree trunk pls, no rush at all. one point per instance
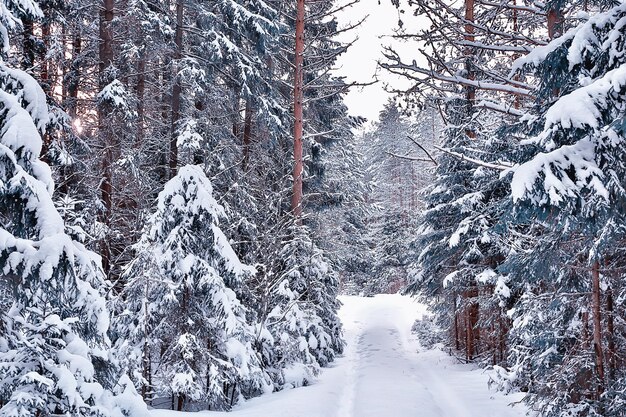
(106, 60)
(165, 75)
(146, 361)
(502, 341)
(236, 113)
(585, 319)
(597, 326)
(141, 99)
(176, 91)
(296, 199)
(29, 44)
(457, 342)
(517, 101)
(470, 92)
(247, 134)
(469, 341)
(73, 77)
(45, 73)
(145, 370)
(610, 327)
(44, 81)
(472, 313)
(555, 23)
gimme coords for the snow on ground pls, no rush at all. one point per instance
(383, 373)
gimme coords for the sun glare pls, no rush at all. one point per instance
(78, 126)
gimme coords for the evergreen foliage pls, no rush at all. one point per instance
(520, 243)
(182, 301)
(55, 354)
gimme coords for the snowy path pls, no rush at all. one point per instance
(383, 374)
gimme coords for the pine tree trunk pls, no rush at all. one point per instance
(472, 314)
(106, 60)
(470, 92)
(555, 23)
(236, 116)
(492, 344)
(166, 110)
(247, 134)
(145, 369)
(585, 331)
(146, 347)
(176, 91)
(517, 101)
(45, 81)
(296, 199)
(610, 327)
(29, 44)
(63, 65)
(45, 73)
(502, 342)
(457, 342)
(73, 77)
(141, 99)
(597, 326)
(469, 340)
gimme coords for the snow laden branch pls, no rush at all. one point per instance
(556, 184)
(497, 47)
(506, 109)
(417, 73)
(581, 136)
(500, 166)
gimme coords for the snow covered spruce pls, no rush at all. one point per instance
(181, 324)
(180, 311)
(570, 178)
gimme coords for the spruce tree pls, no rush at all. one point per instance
(182, 303)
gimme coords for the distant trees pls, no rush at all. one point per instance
(382, 229)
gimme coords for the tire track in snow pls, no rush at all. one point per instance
(348, 397)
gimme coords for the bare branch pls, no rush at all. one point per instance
(408, 157)
(423, 149)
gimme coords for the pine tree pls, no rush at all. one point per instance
(303, 311)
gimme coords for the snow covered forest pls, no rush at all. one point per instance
(187, 200)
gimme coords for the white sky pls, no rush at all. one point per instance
(360, 62)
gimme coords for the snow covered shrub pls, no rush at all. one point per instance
(180, 314)
(428, 332)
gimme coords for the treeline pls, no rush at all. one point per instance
(167, 170)
(520, 248)
(394, 177)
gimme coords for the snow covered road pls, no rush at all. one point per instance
(383, 373)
